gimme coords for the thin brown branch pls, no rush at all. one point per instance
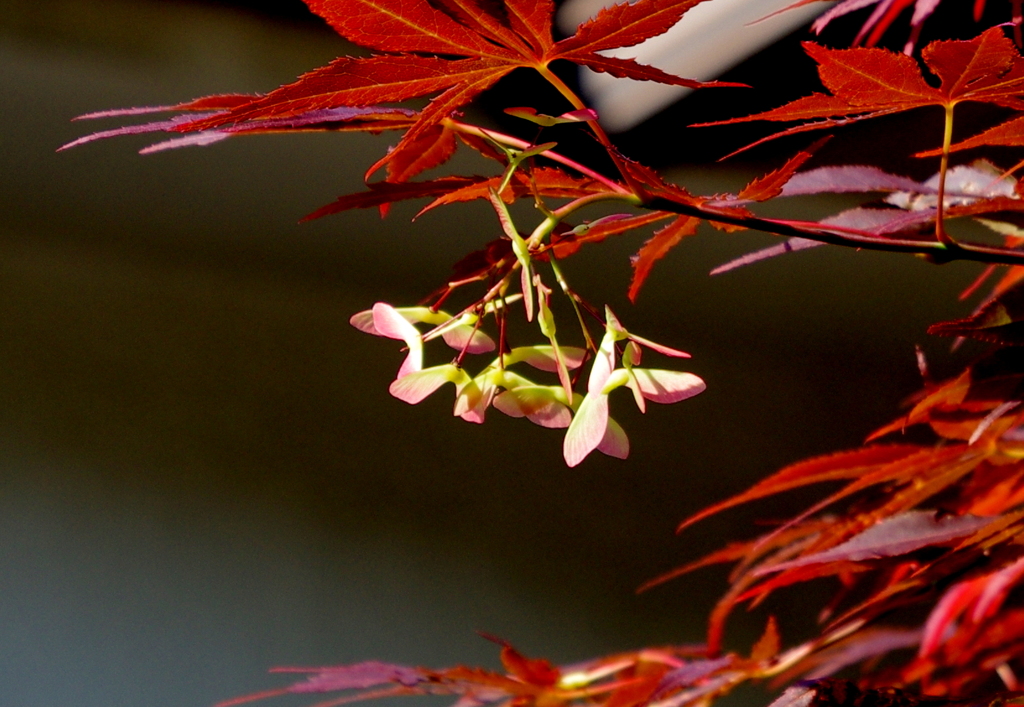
(936, 252)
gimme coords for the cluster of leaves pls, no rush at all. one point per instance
(457, 49)
(924, 539)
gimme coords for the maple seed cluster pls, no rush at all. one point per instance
(554, 406)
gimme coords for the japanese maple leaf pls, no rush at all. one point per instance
(870, 82)
(453, 50)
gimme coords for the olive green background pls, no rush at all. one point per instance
(201, 472)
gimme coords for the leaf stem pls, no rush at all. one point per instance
(523, 145)
(564, 284)
(947, 139)
(492, 294)
(551, 221)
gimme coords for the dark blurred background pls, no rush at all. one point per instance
(201, 472)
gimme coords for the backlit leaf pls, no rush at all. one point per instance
(666, 386)
(357, 81)
(588, 429)
(531, 19)
(358, 676)
(388, 193)
(790, 245)
(614, 443)
(407, 26)
(870, 82)
(657, 247)
(453, 51)
(537, 403)
(429, 150)
(629, 69)
(840, 179)
(771, 185)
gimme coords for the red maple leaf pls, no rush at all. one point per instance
(870, 82)
(452, 49)
(657, 247)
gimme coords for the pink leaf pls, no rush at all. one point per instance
(996, 589)
(881, 221)
(201, 139)
(358, 676)
(796, 696)
(363, 321)
(415, 387)
(953, 603)
(321, 117)
(990, 419)
(543, 357)
(603, 365)
(510, 404)
(690, 673)
(121, 112)
(790, 245)
(388, 322)
(466, 337)
(847, 178)
(587, 430)
(865, 644)
(986, 593)
(394, 326)
(208, 103)
(582, 115)
(615, 443)
(473, 399)
(554, 416)
(537, 404)
(661, 386)
(158, 126)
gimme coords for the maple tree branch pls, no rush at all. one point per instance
(564, 212)
(937, 252)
